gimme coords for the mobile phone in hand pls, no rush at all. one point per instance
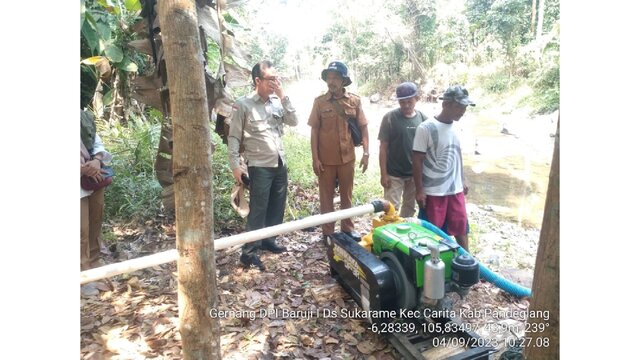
(245, 180)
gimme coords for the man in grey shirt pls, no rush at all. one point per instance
(257, 123)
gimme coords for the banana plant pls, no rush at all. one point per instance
(106, 29)
(225, 66)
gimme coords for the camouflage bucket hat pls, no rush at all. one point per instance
(458, 94)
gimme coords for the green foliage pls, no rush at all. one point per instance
(135, 192)
(476, 12)
(298, 153)
(421, 18)
(270, 46)
(371, 52)
(379, 56)
(88, 83)
(375, 85)
(509, 21)
(132, 5)
(548, 90)
(366, 187)
(551, 15)
(106, 27)
(277, 49)
(105, 30)
(213, 56)
(546, 84)
(451, 40)
(302, 199)
(497, 83)
(224, 215)
(301, 195)
(546, 78)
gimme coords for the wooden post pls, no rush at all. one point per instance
(546, 278)
(192, 179)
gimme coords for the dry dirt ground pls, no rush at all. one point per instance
(135, 316)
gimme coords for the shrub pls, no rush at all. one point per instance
(496, 83)
(135, 192)
(547, 86)
(224, 215)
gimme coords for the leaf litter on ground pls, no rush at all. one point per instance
(136, 317)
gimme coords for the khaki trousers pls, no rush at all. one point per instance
(405, 188)
(91, 209)
(327, 182)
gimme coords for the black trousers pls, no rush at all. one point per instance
(267, 199)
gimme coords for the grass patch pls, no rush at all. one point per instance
(302, 194)
(366, 187)
(302, 197)
(135, 192)
(302, 190)
(225, 216)
(547, 85)
(298, 156)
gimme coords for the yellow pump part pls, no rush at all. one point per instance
(389, 217)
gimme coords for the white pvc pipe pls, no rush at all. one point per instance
(283, 228)
(223, 243)
(128, 266)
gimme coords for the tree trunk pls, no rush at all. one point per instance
(125, 87)
(164, 165)
(546, 278)
(115, 86)
(192, 179)
(540, 20)
(534, 5)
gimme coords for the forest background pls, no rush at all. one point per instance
(594, 58)
(506, 52)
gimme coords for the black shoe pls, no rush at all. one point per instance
(248, 260)
(273, 247)
(354, 235)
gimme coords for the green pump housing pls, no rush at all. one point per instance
(409, 242)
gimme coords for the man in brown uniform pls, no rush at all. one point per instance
(332, 148)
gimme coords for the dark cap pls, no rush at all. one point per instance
(458, 94)
(340, 68)
(406, 90)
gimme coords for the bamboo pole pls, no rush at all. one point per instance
(223, 243)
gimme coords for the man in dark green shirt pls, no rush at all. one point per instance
(396, 143)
